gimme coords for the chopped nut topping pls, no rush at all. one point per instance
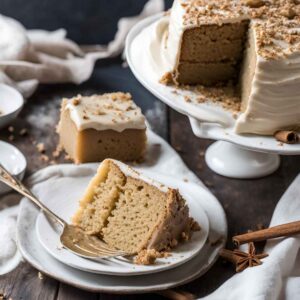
(75, 101)
(254, 3)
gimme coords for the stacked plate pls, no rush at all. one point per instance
(38, 240)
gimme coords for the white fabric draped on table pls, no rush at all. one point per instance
(279, 275)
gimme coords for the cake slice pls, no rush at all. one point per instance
(102, 126)
(131, 212)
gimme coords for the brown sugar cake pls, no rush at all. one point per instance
(133, 213)
(254, 43)
(102, 126)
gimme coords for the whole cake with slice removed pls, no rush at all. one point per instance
(132, 212)
(254, 43)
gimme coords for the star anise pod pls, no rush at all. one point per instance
(250, 259)
(243, 260)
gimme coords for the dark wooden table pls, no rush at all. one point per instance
(248, 203)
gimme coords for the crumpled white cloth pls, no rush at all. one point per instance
(160, 158)
(278, 277)
(29, 57)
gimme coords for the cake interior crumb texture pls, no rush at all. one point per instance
(129, 213)
(211, 54)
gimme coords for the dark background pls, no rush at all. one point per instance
(87, 21)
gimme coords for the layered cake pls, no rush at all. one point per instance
(132, 212)
(102, 126)
(254, 43)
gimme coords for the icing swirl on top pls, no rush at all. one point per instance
(115, 111)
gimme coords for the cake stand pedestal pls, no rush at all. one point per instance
(230, 160)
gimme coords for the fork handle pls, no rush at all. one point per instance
(12, 181)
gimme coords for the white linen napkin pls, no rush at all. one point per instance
(279, 275)
(161, 158)
(29, 57)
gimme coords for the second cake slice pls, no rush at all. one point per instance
(102, 126)
(132, 212)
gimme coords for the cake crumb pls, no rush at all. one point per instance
(194, 225)
(174, 243)
(23, 132)
(41, 147)
(40, 275)
(167, 79)
(44, 158)
(56, 153)
(76, 101)
(11, 129)
(148, 257)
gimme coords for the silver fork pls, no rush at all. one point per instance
(72, 237)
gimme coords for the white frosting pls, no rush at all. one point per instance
(274, 102)
(115, 111)
(130, 172)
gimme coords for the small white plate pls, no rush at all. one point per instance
(34, 253)
(13, 160)
(66, 206)
(11, 103)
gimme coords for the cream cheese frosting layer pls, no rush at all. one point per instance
(274, 102)
(130, 172)
(115, 111)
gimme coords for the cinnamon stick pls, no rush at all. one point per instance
(269, 233)
(287, 136)
(229, 255)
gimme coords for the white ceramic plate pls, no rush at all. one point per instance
(207, 120)
(11, 103)
(13, 160)
(34, 253)
(65, 207)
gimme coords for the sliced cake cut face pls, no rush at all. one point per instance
(211, 54)
(131, 212)
(253, 44)
(102, 126)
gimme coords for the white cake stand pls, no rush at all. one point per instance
(234, 155)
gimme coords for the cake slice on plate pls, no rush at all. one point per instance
(132, 212)
(102, 126)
